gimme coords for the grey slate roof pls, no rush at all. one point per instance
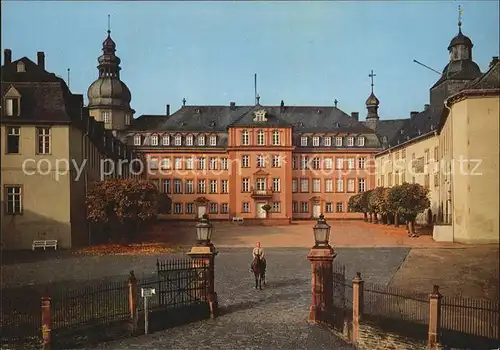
(148, 121)
(489, 80)
(459, 70)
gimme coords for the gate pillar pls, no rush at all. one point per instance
(204, 255)
(322, 283)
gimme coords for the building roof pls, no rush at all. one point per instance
(148, 122)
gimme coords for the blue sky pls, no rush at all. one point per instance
(303, 53)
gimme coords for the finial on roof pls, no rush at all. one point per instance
(258, 99)
(335, 102)
(109, 24)
(183, 102)
(460, 12)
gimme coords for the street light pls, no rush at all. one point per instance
(321, 233)
(204, 230)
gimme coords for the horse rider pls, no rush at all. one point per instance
(258, 251)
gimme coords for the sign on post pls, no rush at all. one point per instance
(146, 293)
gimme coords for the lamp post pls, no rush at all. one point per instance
(321, 257)
(203, 255)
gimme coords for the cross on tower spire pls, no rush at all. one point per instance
(372, 75)
(109, 24)
(460, 12)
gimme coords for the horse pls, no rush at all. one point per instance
(259, 272)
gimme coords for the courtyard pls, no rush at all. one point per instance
(276, 316)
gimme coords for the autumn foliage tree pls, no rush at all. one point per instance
(407, 201)
(117, 208)
(359, 204)
(377, 202)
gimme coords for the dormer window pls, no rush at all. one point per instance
(213, 140)
(361, 141)
(328, 141)
(338, 141)
(201, 140)
(154, 140)
(384, 139)
(137, 140)
(350, 141)
(106, 117)
(315, 141)
(260, 137)
(303, 141)
(21, 68)
(189, 140)
(12, 106)
(166, 140)
(178, 140)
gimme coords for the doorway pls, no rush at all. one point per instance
(202, 209)
(316, 210)
(261, 213)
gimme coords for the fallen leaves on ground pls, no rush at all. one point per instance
(129, 249)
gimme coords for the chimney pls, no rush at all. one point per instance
(41, 59)
(232, 106)
(413, 114)
(7, 56)
(494, 61)
(426, 106)
(282, 106)
(168, 110)
(355, 116)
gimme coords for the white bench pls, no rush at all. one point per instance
(237, 219)
(44, 243)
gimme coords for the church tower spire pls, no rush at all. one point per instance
(372, 104)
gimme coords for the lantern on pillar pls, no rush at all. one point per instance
(204, 230)
(321, 233)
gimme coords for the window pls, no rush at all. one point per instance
(303, 141)
(361, 141)
(315, 141)
(304, 207)
(213, 163)
(202, 163)
(201, 140)
(153, 163)
(244, 137)
(177, 186)
(260, 162)
(328, 163)
(316, 183)
(304, 162)
(339, 207)
(165, 163)
(43, 135)
(189, 163)
(260, 184)
(245, 161)
(340, 163)
(315, 163)
(295, 207)
(213, 186)
(389, 179)
(276, 162)
(361, 162)
(223, 163)
(276, 184)
(436, 153)
(245, 208)
(361, 185)
(166, 186)
(13, 200)
(177, 208)
(350, 141)
(426, 181)
(154, 140)
(189, 208)
(213, 140)
(304, 185)
(224, 208)
(426, 155)
(165, 140)
(189, 186)
(350, 163)
(12, 107)
(224, 186)
(213, 208)
(202, 186)
(328, 185)
(276, 138)
(328, 207)
(189, 140)
(351, 185)
(328, 141)
(178, 140)
(403, 154)
(382, 180)
(245, 185)
(260, 137)
(436, 180)
(137, 140)
(340, 185)
(276, 208)
(396, 155)
(403, 176)
(128, 119)
(106, 117)
(294, 162)
(177, 163)
(338, 141)
(295, 185)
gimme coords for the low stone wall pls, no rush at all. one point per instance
(372, 337)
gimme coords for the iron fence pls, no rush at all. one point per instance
(20, 317)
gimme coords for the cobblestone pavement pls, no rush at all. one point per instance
(274, 318)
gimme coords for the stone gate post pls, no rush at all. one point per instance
(46, 320)
(321, 259)
(434, 317)
(204, 255)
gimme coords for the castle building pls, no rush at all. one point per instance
(51, 152)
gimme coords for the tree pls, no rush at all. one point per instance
(377, 202)
(357, 204)
(367, 204)
(266, 208)
(119, 207)
(407, 201)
